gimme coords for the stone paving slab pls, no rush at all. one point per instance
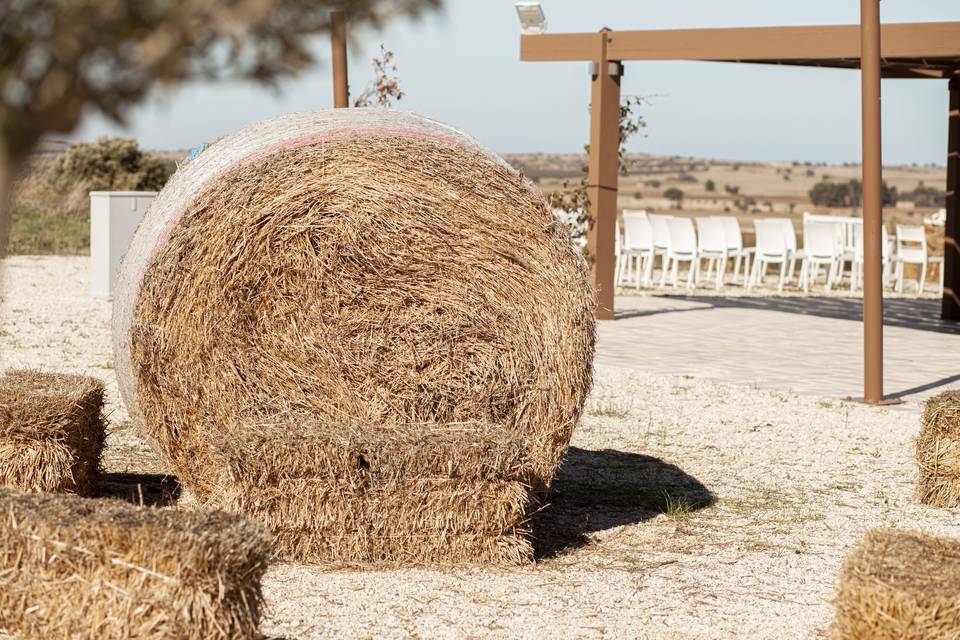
(808, 345)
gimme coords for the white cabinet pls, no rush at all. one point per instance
(114, 216)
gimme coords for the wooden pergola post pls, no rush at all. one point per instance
(950, 309)
(603, 175)
(338, 58)
(872, 202)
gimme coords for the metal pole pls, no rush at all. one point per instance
(603, 175)
(338, 44)
(950, 309)
(872, 202)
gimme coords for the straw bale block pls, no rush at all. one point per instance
(938, 451)
(78, 568)
(402, 494)
(51, 431)
(900, 585)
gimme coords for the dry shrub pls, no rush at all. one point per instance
(353, 267)
(900, 585)
(51, 431)
(77, 568)
(938, 451)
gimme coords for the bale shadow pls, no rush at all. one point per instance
(598, 490)
(148, 489)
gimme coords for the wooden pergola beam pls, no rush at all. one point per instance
(816, 44)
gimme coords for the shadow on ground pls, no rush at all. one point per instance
(909, 313)
(598, 490)
(148, 489)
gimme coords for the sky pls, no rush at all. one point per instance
(461, 66)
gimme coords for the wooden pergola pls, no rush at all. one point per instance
(916, 50)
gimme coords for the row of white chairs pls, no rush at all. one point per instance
(830, 242)
(647, 237)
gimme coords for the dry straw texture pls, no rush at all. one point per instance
(358, 268)
(77, 568)
(51, 431)
(405, 494)
(900, 585)
(938, 451)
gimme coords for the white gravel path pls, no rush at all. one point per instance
(764, 491)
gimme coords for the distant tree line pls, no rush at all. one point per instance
(847, 194)
(924, 196)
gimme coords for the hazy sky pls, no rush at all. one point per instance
(462, 66)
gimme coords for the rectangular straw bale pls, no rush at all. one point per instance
(51, 431)
(938, 451)
(420, 493)
(898, 585)
(79, 568)
(266, 451)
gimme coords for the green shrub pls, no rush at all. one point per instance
(111, 164)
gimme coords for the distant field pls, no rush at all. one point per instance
(763, 189)
(48, 220)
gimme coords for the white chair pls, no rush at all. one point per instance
(771, 249)
(847, 230)
(790, 236)
(735, 248)
(886, 257)
(661, 237)
(912, 249)
(822, 246)
(712, 246)
(638, 246)
(683, 248)
(621, 257)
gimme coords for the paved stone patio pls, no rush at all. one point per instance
(809, 345)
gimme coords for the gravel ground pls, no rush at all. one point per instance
(686, 508)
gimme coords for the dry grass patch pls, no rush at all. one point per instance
(51, 431)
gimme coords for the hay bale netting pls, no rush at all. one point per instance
(77, 568)
(405, 494)
(899, 585)
(51, 431)
(938, 451)
(356, 267)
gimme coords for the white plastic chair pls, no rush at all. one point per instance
(822, 246)
(683, 248)
(661, 237)
(912, 249)
(790, 235)
(620, 256)
(735, 248)
(638, 246)
(712, 246)
(887, 260)
(771, 249)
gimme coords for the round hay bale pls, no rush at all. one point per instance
(355, 266)
(938, 451)
(899, 584)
